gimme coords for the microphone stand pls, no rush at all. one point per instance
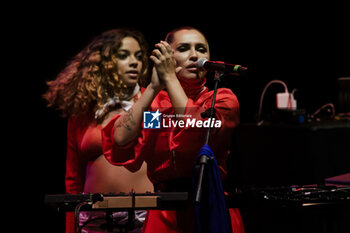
(210, 113)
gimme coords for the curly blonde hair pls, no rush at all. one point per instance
(91, 77)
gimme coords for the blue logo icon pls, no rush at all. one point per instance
(151, 119)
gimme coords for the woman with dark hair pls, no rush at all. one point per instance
(100, 81)
(170, 152)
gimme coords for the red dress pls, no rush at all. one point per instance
(170, 152)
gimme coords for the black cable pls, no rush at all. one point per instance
(76, 213)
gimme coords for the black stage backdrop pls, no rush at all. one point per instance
(306, 48)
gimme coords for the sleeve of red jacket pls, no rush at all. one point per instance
(226, 111)
(128, 155)
(75, 171)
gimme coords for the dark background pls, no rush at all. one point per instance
(305, 46)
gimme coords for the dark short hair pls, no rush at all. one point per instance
(170, 36)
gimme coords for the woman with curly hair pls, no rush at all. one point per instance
(102, 80)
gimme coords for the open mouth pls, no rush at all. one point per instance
(192, 67)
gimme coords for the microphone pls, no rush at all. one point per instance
(221, 67)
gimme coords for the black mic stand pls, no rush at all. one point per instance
(210, 113)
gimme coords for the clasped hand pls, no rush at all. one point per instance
(164, 64)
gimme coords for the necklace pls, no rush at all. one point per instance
(125, 103)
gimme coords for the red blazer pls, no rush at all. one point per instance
(170, 152)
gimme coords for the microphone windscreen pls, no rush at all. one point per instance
(201, 62)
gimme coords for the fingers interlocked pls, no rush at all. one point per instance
(162, 56)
